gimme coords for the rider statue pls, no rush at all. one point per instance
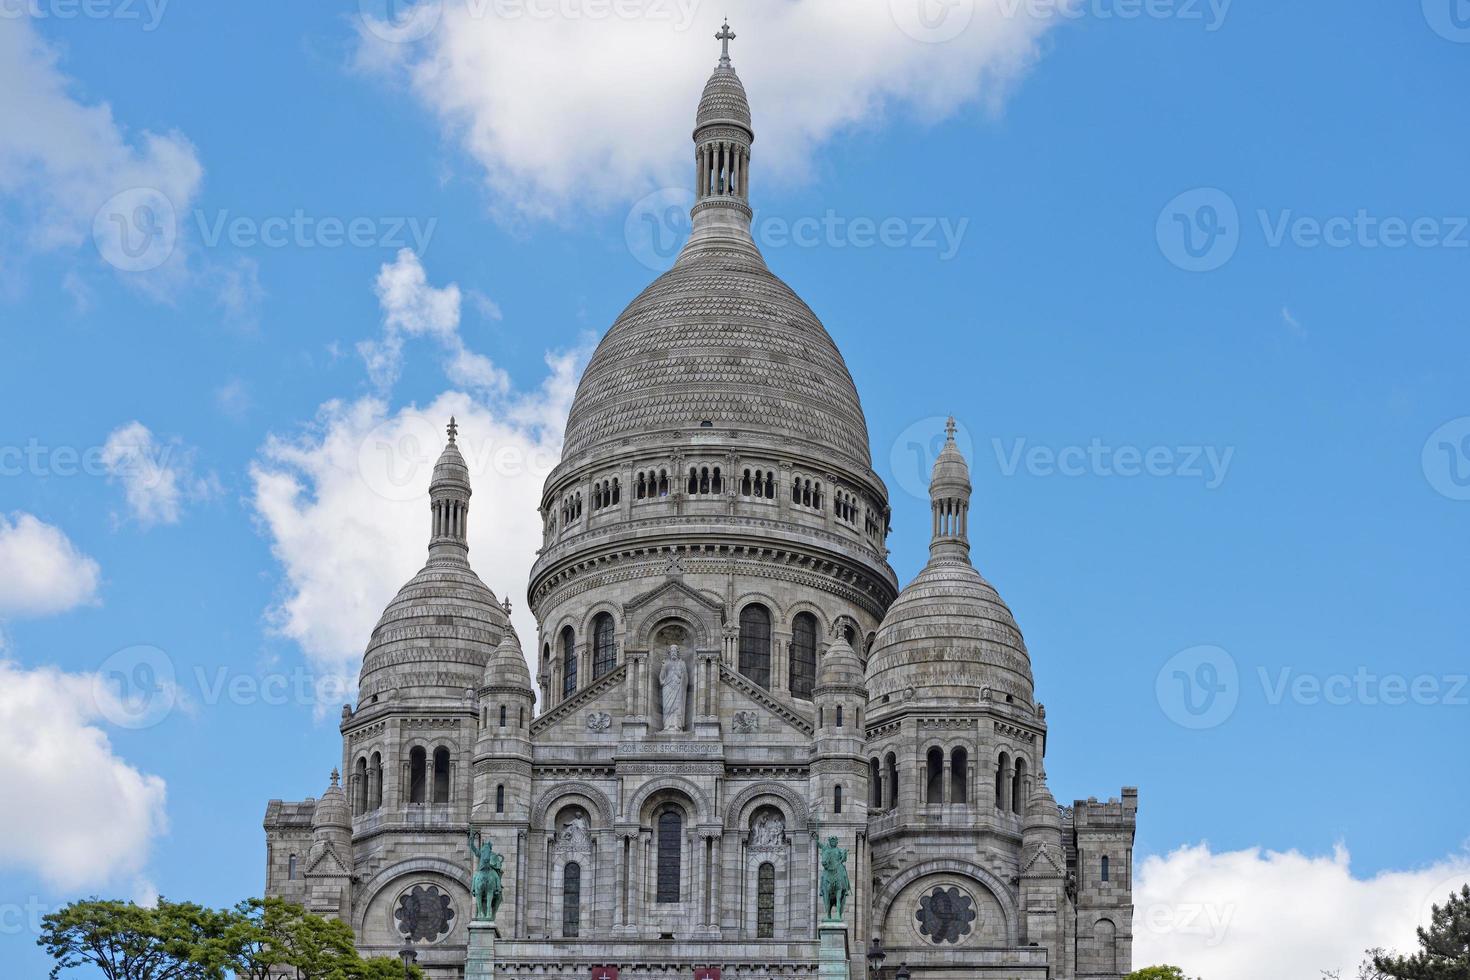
(833, 884)
(485, 885)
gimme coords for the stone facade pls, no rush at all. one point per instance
(716, 504)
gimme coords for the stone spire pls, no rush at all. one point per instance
(722, 139)
(949, 495)
(449, 502)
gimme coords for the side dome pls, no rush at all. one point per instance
(331, 811)
(949, 636)
(436, 636)
(507, 666)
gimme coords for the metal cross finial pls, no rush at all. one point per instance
(949, 428)
(453, 428)
(336, 777)
(725, 37)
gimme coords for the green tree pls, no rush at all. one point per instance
(1444, 945)
(126, 941)
(381, 968)
(1157, 973)
(268, 933)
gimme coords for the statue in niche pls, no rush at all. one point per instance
(576, 835)
(673, 678)
(769, 833)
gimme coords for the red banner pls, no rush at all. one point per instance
(707, 973)
(604, 973)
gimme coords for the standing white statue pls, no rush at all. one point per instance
(672, 679)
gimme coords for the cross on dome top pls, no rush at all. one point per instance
(725, 37)
(453, 427)
(949, 429)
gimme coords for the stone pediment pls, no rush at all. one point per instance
(672, 592)
(1043, 862)
(571, 720)
(770, 710)
(327, 865)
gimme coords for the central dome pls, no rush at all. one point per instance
(719, 339)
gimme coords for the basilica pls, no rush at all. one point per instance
(725, 677)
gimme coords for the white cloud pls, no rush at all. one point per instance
(62, 159)
(413, 308)
(346, 503)
(44, 571)
(157, 477)
(1257, 913)
(79, 816)
(560, 105)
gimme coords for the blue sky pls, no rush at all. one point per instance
(1230, 241)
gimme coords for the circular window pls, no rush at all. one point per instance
(945, 915)
(424, 914)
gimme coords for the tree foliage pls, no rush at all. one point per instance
(1157, 973)
(188, 942)
(125, 941)
(1444, 945)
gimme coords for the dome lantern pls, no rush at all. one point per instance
(449, 502)
(722, 139)
(949, 496)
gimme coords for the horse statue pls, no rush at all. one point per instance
(485, 886)
(833, 884)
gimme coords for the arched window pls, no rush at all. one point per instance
(765, 901)
(892, 781)
(502, 716)
(417, 775)
(1002, 781)
(375, 780)
(755, 644)
(837, 799)
(571, 900)
(959, 787)
(803, 655)
(670, 843)
(875, 784)
(568, 663)
(1105, 868)
(839, 716)
(500, 798)
(360, 788)
(934, 769)
(1018, 787)
(604, 649)
(441, 775)
(291, 868)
